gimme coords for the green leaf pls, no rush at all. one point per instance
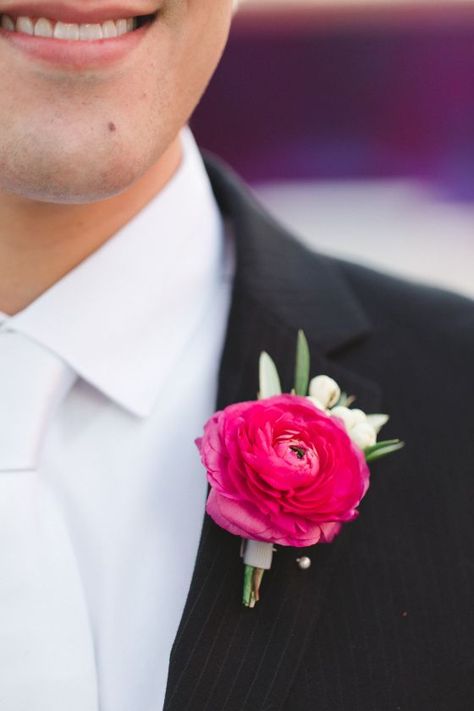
(247, 591)
(380, 445)
(302, 365)
(268, 377)
(383, 451)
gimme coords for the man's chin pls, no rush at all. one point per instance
(63, 186)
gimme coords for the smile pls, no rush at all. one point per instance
(55, 29)
(74, 39)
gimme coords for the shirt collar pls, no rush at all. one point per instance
(122, 317)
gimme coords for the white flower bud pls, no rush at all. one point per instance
(325, 389)
(344, 414)
(317, 403)
(363, 435)
(377, 421)
(358, 416)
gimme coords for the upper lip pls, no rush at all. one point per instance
(80, 15)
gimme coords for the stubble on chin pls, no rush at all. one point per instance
(83, 148)
(40, 167)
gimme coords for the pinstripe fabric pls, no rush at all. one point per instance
(384, 618)
(225, 657)
(397, 630)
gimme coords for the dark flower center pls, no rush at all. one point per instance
(299, 451)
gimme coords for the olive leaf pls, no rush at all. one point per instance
(269, 380)
(382, 448)
(302, 365)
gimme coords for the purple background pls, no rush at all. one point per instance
(358, 103)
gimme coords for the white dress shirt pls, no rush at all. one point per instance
(142, 323)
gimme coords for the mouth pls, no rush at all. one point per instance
(51, 28)
(73, 38)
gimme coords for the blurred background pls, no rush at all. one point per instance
(353, 121)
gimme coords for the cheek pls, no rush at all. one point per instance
(197, 32)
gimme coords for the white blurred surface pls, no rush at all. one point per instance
(397, 226)
(275, 4)
(344, 3)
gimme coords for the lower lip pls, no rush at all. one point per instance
(77, 54)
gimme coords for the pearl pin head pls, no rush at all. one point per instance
(304, 562)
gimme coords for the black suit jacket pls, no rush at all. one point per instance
(383, 620)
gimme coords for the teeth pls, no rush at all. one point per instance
(43, 27)
(109, 29)
(90, 32)
(121, 27)
(7, 23)
(24, 24)
(66, 30)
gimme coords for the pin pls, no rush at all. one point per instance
(304, 562)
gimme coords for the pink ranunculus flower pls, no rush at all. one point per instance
(282, 471)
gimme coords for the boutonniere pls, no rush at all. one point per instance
(288, 469)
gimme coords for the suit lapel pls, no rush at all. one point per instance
(227, 657)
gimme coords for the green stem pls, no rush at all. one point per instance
(248, 576)
(252, 581)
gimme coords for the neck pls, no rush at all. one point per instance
(41, 242)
